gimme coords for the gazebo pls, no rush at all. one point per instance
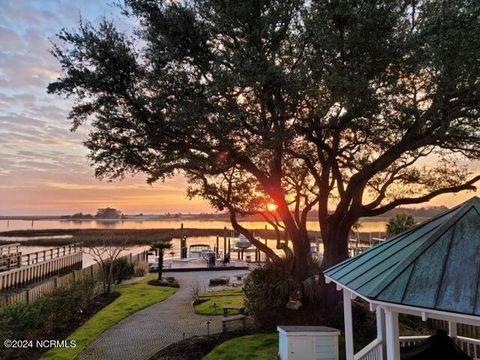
(431, 271)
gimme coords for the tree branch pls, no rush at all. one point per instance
(418, 200)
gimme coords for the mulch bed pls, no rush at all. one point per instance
(196, 347)
(166, 281)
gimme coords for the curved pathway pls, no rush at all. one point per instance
(144, 333)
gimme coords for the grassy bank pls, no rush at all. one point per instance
(133, 297)
(262, 347)
(93, 237)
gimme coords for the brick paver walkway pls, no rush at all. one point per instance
(146, 332)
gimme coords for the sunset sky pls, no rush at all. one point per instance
(43, 169)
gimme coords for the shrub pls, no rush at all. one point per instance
(123, 269)
(141, 269)
(400, 223)
(268, 290)
(48, 317)
(195, 292)
(219, 281)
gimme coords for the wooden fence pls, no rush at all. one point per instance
(31, 294)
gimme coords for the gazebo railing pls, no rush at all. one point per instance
(406, 341)
(372, 351)
(470, 346)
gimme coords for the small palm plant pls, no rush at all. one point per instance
(161, 247)
(400, 223)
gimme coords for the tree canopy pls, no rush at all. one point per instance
(400, 223)
(108, 213)
(350, 107)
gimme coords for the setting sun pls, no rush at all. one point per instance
(272, 207)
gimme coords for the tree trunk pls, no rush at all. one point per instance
(160, 265)
(301, 258)
(109, 276)
(335, 243)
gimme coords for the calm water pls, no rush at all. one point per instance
(173, 254)
(366, 226)
(5, 225)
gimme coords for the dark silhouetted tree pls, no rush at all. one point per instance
(161, 247)
(350, 107)
(108, 213)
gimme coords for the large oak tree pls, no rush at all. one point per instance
(348, 107)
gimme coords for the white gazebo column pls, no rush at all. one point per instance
(452, 329)
(381, 332)
(347, 316)
(392, 334)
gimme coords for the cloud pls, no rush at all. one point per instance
(10, 40)
(43, 168)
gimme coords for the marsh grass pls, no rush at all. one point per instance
(95, 237)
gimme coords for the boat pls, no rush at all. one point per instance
(243, 242)
(196, 252)
(199, 251)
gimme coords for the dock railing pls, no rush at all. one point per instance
(10, 256)
(8, 249)
(40, 266)
(37, 290)
(49, 254)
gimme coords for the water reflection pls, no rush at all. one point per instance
(207, 240)
(5, 225)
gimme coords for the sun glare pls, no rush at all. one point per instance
(272, 207)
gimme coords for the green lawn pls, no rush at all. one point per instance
(133, 297)
(220, 299)
(261, 347)
(229, 292)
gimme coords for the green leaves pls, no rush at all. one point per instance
(161, 246)
(400, 223)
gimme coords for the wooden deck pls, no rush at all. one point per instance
(37, 266)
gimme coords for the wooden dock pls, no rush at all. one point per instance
(35, 291)
(26, 269)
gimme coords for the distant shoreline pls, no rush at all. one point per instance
(95, 237)
(159, 218)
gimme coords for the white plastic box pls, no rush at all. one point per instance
(308, 343)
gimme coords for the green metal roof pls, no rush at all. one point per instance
(435, 265)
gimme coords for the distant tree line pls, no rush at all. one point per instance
(112, 213)
(103, 213)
